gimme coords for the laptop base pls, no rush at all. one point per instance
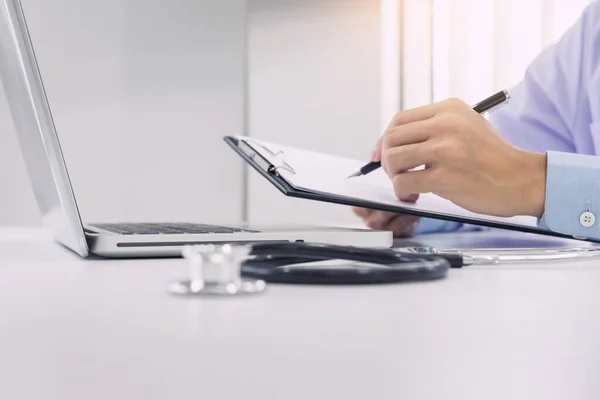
(107, 244)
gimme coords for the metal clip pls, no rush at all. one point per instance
(280, 156)
(216, 270)
(282, 164)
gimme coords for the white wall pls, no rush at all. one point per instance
(142, 92)
(314, 81)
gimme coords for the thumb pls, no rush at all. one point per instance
(376, 154)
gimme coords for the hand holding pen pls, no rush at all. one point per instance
(466, 160)
(484, 106)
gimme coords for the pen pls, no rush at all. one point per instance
(484, 106)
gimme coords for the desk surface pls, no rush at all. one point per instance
(94, 329)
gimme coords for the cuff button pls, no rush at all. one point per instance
(587, 219)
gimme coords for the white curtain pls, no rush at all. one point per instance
(464, 48)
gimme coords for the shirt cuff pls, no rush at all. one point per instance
(572, 202)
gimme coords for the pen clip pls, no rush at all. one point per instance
(487, 112)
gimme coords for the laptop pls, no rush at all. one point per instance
(54, 194)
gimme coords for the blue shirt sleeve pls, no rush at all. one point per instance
(431, 225)
(548, 108)
(551, 111)
(556, 110)
(572, 202)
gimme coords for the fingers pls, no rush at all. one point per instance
(376, 155)
(415, 132)
(408, 183)
(413, 115)
(411, 198)
(423, 113)
(411, 126)
(362, 212)
(402, 225)
(401, 142)
(379, 219)
(398, 160)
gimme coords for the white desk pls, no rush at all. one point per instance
(83, 330)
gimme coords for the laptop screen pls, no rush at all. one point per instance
(35, 129)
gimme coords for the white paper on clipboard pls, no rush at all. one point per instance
(327, 174)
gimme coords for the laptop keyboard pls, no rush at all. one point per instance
(167, 228)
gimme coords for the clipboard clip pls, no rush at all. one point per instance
(279, 156)
(282, 164)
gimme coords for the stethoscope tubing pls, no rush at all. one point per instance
(276, 263)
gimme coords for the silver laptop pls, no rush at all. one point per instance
(54, 194)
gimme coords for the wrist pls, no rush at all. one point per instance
(532, 188)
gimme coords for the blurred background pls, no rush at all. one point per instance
(142, 91)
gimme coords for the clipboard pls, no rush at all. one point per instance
(275, 163)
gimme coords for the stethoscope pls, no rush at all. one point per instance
(303, 263)
(246, 269)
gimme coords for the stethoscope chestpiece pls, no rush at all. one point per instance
(216, 270)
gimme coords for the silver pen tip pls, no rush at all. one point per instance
(354, 175)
